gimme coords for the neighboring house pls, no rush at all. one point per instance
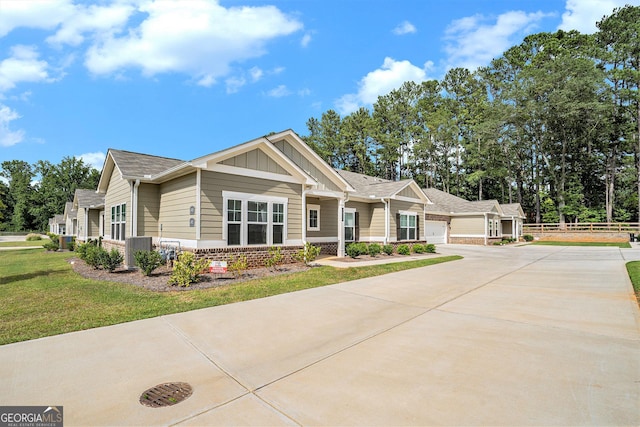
(274, 190)
(89, 208)
(57, 224)
(452, 219)
(70, 219)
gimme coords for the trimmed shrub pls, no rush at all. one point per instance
(53, 244)
(528, 238)
(354, 250)
(430, 248)
(32, 237)
(275, 258)
(404, 250)
(147, 261)
(374, 249)
(418, 248)
(307, 254)
(110, 260)
(387, 249)
(187, 269)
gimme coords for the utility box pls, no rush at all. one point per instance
(132, 245)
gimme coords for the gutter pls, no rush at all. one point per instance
(134, 207)
(486, 229)
(386, 220)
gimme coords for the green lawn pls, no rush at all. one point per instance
(23, 243)
(622, 245)
(40, 294)
(633, 268)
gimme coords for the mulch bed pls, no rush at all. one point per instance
(158, 280)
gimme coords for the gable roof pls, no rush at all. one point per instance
(513, 209)
(134, 166)
(448, 203)
(69, 211)
(88, 199)
(370, 187)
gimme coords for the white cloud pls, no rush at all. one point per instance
(306, 39)
(582, 15)
(405, 27)
(471, 42)
(44, 14)
(279, 92)
(102, 20)
(7, 136)
(199, 38)
(23, 66)
(381, 81)
(95, 160)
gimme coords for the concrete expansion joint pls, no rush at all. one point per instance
(249, 390)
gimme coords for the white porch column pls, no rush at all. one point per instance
(341, 227)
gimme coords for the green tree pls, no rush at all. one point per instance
(19, 175)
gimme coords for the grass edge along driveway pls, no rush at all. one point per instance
(41, 295)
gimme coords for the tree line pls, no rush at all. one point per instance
(31, 194)
(553, 123)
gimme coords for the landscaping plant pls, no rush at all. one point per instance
(187, 269)
(147, 261)
(374, 249)
(53, 244)
(404, 250)
(430, 248)
(32, 237)
(308, 254)
(110, 260)
(387, 249)
(275, 258)
(354, 250)
(238, 265)
(418, 248)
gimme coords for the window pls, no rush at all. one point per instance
(118, 221)
(490, 228)
(313, 217)
(349, 225)
(278, 223)
(408, 226)
(254, 219)
(234, 221)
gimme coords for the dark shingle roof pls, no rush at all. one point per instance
(367, 186)
(445, 202)
(89, 198)
(138, 165)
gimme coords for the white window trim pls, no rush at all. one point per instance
(309, 209)
(353, 211)
(409, 213)
(245, 198)
(122, 225)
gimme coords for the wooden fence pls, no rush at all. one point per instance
(587, 227)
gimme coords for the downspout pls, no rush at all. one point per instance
(86, 224)
(134, 207)
(486, 229)
(304, 214)
(386, 221)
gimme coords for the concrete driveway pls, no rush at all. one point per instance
(508, 336)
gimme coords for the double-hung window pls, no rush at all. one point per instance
(118, 221)
(408, 226)
(313, 217)
(253, 219)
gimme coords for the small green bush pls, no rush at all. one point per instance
(238, 265)
(354, 250)
(418, 248)
(54, 242)
(430, 248)
(308, 254)
(32, 237)
(187, 269)
(147, 261)
(404, 250)
(528, 238)
(387, 249)
(93, 255)
(110, 260)
(374, 249)
(275, 258)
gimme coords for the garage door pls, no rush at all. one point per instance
(436, 231)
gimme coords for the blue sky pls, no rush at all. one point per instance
(186, 78)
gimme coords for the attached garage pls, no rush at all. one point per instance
(436, 231)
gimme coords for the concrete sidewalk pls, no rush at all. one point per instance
(528, 335)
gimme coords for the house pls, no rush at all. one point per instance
(452, 219)
(70, 219)
(273, 190)
(57, 224)
(89, 208)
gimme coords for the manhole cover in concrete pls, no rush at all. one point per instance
(166, 394)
